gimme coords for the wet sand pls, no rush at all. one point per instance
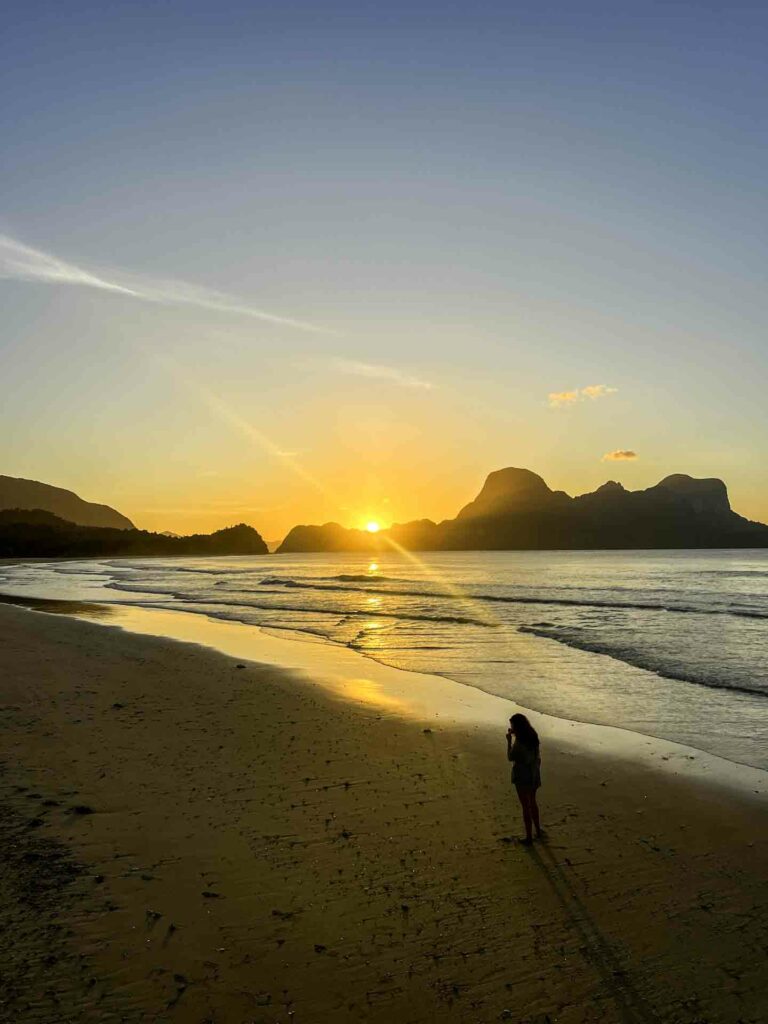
(188, 837)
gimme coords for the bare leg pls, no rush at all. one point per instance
(535, 814)
(523, 794)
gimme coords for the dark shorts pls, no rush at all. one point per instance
(528, 778)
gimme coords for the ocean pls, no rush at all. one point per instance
(668, 644)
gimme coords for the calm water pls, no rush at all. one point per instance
(671, 644)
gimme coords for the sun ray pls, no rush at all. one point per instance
(217, 406)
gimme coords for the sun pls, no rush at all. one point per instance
(372, 526)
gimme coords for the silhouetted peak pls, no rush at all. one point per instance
(507, 490)
(706, 495)
(18, 493)
(611, 487)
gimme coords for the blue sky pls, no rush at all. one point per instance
(500, 201)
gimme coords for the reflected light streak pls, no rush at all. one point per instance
(470, 603)
(367, 691)
(244, 427)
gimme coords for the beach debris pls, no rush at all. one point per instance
(211, 895)
(239, 666)
(319, 948)
(284, 915)
(181, 987)
(117, 706)
(427, 732)
(81, 809)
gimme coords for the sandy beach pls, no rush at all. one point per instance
(190, 837)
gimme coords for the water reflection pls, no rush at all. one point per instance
(368, 691)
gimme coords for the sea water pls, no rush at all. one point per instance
(670, 644)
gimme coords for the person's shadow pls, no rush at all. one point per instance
(631, 1006)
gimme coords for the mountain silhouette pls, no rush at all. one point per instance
(506, 491)
(517, 510)
(37, 533)
(16, 493)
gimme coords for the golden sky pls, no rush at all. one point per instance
(278, 268)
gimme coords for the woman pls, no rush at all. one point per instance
(526, 770)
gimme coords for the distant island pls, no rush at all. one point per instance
(37, 533)
(517, 511)
(514, 511)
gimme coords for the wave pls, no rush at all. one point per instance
(361, 578)
(340, 613)
(746, 574)
(320, 584)
(639, 659)
(566, 602)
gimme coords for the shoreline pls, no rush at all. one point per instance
(413, 694)
(632, 682)
(266, 845)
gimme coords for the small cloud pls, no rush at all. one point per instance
(557, 398)
(374, 371)
(620, 455)
(597, 391)
(591, 391)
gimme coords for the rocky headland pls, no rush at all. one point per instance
(516, 510)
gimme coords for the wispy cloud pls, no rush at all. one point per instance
(389, 373)
(620, 455)
(23, 263)
(590, 392)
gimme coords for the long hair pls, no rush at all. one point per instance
(524, 732)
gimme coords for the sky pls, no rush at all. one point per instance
(310, 261)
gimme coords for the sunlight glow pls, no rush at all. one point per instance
(238, 423)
